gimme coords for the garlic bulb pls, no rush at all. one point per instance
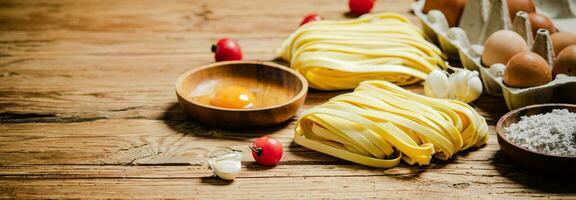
(436, 84)
(463, 85)
(227, 165)
(497, 69)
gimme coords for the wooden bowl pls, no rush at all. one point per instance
(279, 92)
(528, 158)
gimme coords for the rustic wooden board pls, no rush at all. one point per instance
(88, 110)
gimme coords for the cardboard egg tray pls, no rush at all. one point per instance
(479, 20)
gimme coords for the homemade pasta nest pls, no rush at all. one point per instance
(380, 123)
(335, 55)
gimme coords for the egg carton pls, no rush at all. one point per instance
(481, 18)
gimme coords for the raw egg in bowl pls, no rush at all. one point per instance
(241, 94)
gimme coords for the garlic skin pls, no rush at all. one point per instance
(437, 85)
(463, 85)
(226, 166)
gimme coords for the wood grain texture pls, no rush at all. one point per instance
(88, 110)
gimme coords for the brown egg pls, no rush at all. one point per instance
(538, 21)
(433, 5)
(452, 9)
(520, 5)
(501, 46)
(566, 62)
(527, 69)
(561, 40)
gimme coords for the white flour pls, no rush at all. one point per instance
(551, 133)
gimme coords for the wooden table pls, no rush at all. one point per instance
(88, 110)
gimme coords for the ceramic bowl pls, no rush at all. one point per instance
(279, 92)
(528, 158)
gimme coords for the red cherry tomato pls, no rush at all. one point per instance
(267, 151)
(360, 7)
(227, 49)
(310, 18)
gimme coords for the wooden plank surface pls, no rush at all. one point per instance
(88, 110)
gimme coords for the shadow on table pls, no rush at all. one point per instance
(490, 107)
(350, 15)
(178, 120)
(543, 182)
(212, 180)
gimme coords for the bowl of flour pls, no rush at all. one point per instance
(540, 137)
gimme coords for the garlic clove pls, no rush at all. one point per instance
(458, 84)
(227, 169)
(227, 166)
(436, 84)
(474, 89)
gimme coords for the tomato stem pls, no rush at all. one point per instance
(258, 150)
(213, 48)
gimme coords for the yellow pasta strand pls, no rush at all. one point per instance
(336, 55)
(380, 123)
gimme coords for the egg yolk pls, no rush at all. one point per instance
(234, 97)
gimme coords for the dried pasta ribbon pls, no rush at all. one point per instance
(380, 123)
(336, 55)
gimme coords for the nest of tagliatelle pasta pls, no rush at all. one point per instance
(380, 124)
(335, 55)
